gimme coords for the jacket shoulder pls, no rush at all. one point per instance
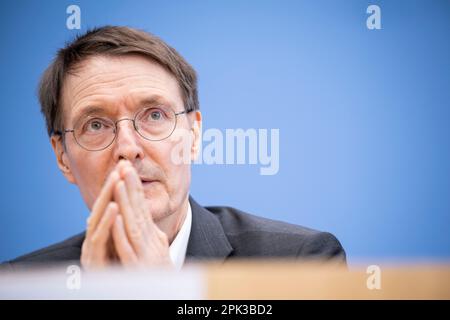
(66, 250)
(255, 236)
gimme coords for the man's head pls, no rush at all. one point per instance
(111, 74)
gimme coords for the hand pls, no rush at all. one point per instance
(137, 239)
(97, 250)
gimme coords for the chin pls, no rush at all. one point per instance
(159, 205)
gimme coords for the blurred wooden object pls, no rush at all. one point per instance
(290, 280)
(233, 280)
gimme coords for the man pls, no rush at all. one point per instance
(118, 103)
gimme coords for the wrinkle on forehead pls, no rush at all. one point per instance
(115, 80)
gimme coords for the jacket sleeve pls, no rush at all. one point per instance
(323, 246)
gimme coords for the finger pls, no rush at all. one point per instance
(122, 165)
(102, 233)
(135, 192)
(102, 201)
(135, 229)
(123, 247)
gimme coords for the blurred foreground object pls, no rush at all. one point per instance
(233, 280)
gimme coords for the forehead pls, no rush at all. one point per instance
(117, 84)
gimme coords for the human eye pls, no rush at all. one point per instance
(95, 126)
(154, 115)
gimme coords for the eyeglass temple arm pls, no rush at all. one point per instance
(183, 112)
(59, 133)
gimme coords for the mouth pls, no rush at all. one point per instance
(146, 182)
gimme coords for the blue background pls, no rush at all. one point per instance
(363, 116)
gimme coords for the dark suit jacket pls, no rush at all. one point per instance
(219, 233)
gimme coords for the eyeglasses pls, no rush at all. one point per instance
(95, 133)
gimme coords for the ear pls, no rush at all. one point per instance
(196, 130)
(61, 157)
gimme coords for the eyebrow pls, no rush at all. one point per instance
(97, 110)
(155, 99)
(87, 111)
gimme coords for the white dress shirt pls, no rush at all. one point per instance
(179, 245)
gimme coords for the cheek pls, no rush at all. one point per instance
(177, 175)
(167, 196)
(88, 177)
(178, 178)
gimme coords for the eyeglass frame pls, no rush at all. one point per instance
(176, 114)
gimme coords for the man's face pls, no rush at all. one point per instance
(117, 88)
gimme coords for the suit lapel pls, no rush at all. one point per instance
(207, 239)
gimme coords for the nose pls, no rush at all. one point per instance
(128, 142)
